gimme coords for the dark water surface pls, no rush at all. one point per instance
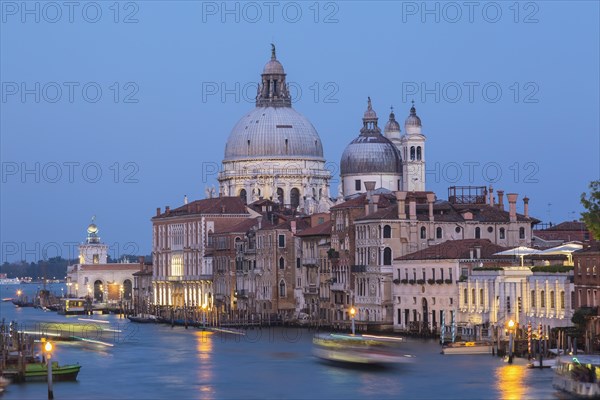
(148, 361)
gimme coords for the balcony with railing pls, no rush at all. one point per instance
(310, 261)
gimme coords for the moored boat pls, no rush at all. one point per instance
(38, 371)
(143, 318)
(468, 348)
(359, 349)
(578, 375)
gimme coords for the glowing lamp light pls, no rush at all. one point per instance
(48, 347)
(19, 292)
(352, 312)
(511, 324)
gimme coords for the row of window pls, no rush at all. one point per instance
(533, 299)
(423, 272)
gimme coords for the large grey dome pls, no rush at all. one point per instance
(273, 132)
(371, 154)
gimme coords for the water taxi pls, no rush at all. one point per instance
(578, 375)
(359, 349)
(468, 348)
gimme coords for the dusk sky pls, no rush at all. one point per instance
(114, 111)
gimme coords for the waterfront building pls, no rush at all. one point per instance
(182, 269)
(426, 282)
(98, 279)
(274, 152)
(548, 235)
(142, 287)
(314, 274)
(587, 276)
(491, 297)
(414, 221)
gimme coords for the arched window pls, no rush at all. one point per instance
(478, 233)
(532, 300)
(280, 195)
(127, 289)
(387, 231)
(423, 232)
(481, 297)
(99, 291)
(542, 299)
(281, 263)
(562, 300)
(387, 256)
(243, 195)
(502, 233)
(412, 152)
(418, 152)
(282, 288)
(438, 232)
(521, 233)
(473, 299)
(552, 300)
(294, 198)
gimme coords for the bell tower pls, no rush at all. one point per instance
(412, 146)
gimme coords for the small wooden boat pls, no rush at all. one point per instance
(3, 384)
(468, 348)
(143, 318)
(38, 371)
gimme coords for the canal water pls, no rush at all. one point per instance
(148, 361)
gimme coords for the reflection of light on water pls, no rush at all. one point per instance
(510, 381)
(205, 373)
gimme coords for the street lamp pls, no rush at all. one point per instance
(511, 327)
(48, 348)
(352, 314)
(204, 316)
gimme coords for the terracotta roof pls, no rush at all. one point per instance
(444, 211)
(567, 226)
(216, 205)
(241, 227)
(357, 202)
(456, 249)
(323, 229)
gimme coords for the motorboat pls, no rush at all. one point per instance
(578, 375)
(359, 349)
(468, 348)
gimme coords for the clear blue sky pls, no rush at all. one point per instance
(541, 133)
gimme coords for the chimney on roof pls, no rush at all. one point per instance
(471, 253)
(491, 196)
(370, 186)
(501, 199)
(374, 202)
(430, 200)
(157, 211)
(167, 210)
(185, 200)
(222, 208)
(293, 226)
(401, 198)
(412, 209)
(477, 252)
(142, 260)
(526, 206)
(512, 206)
